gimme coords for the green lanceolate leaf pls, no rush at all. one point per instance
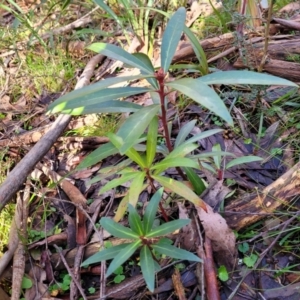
(117, 229)
(208, 167)
(135, 125)
(242, 160)
(112, 106)
(180, 189)
(202, 94)
(118, 53)
(122, 208)
(136, 157)
(171, 38)
(136, 187)
(167, 228)
(146, 60)
(243, 77)
(151, 141)
(77, 105)
(184, 132)
(151, 209)
(123, 256)
(182, 150)
(174, 162)
(200, 54)
(147, 266)
(217, 158)
(135, 220)
(111, 170)
(175, 252)
(99, 154)
(195, 180)
(118, 181)
(107, 9)
(211, 154)
(104, 254)
(118, 142)
(202, 135)
(90, 91)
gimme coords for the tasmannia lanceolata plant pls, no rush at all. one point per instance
(145, 237)
(103, 97)
(218, 166)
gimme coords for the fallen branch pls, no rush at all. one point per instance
(281, 192)
(19, 257)
(19, 174)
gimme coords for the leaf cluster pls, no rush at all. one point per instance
(143, 236)
(138, 135)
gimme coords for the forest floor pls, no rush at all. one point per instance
(51, 211)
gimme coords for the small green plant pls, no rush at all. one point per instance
(26, 283)
(217, 168)
(244, 247)
(92, 290)
(119, 275)
(129, 139)
(63, 285)
(250, 260)
(144, 236)
(222, 273)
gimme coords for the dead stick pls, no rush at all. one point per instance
(281, 192)
(80, 253)
(19, 255)
(70, 272)
(19, 174)
(210, 272)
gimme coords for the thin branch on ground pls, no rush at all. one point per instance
(18, 175)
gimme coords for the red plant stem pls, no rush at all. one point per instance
(162, 94)
(163, 212)
(160, 76)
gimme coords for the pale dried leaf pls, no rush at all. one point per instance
(221, 236)
(188, 235)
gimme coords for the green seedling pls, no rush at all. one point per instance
(92, 290)
(62, 286)
(144, 237)
(218, 167)
(222, 273)
(244, 247)
(26, 283)
(119, 275)
(250, 260)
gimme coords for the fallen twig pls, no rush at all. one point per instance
(19, 174)
(281, 192)
(71, 273)
(19, 257)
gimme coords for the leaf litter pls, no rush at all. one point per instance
(246, 177)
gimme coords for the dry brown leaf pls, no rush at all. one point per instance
(188, 236)
(221, 236)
